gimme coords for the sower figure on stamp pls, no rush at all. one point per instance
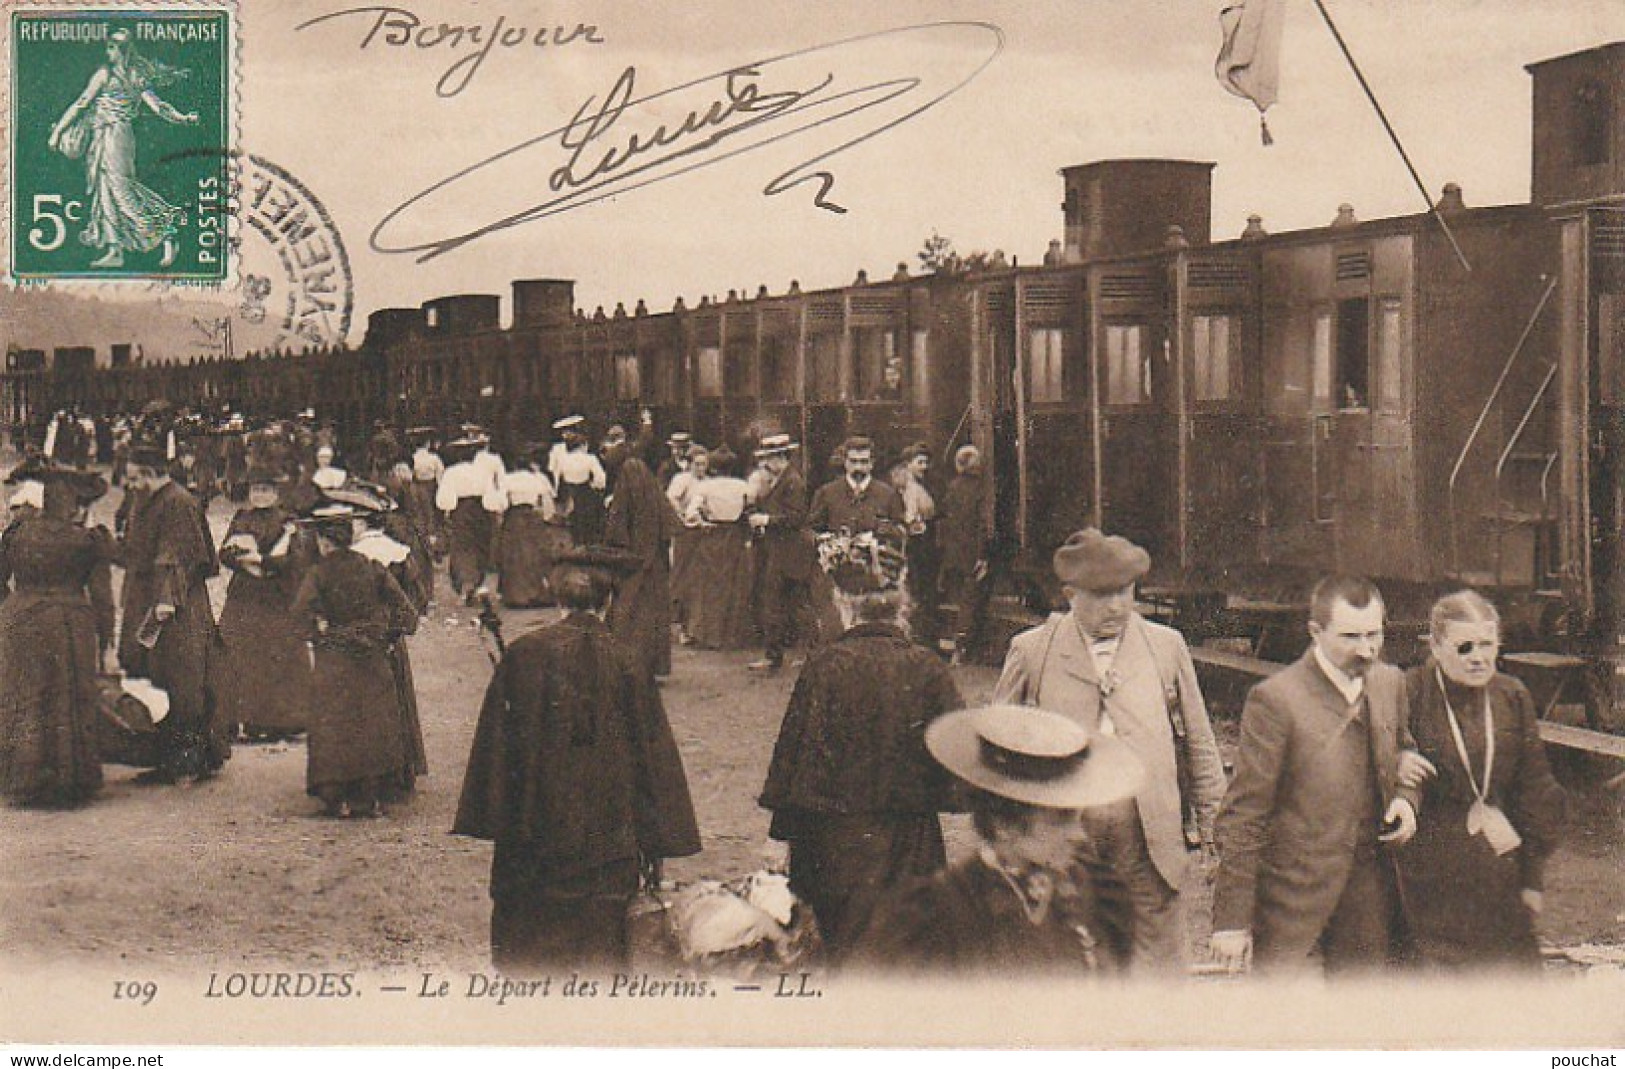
(100, 126)
(1304, 865)
(784, 547)
(168, 633)
(575, 776)
(1105, 666)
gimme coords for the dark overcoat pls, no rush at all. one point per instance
(971, 919)
(851, 786)
(641, 520)
(1461, 900)
(363, 723)
(264, 678)
(574, 767)
(168, 556)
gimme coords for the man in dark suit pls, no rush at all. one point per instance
(859, 502)
(1317, 799)
(778, 522)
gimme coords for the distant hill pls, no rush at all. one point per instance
(160, 324)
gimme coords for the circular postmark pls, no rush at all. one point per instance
(295, 287)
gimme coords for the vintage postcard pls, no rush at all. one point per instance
(883, 309)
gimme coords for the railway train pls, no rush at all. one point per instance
(1253, 410)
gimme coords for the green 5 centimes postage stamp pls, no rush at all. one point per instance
(120, 121)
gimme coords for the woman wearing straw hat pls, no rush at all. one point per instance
(54, 625)
(1034, 897)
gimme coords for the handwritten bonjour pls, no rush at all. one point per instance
(614, 144)
(398, 27)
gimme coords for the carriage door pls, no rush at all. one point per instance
(1343, 439)
(1139, 487)
(999, 344)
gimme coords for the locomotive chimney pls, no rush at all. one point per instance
(1579, 126)
(543, 302)
(1123, 206)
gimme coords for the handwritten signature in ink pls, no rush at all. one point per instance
(623, 141)
(399, 28)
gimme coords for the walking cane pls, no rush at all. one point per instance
(491, 622)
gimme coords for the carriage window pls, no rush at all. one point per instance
(1128, 365)
(778, 368)
(1210, 346)
(879, 372)
(1045, 376)
(1321, 360)
(1390, 376)
(708, 381)
(824, 358)
(1353, 353)
(627, 377)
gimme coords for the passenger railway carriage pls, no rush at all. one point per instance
(1253, 410)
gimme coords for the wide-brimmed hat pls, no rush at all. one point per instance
(329, 513)
(569, 423)
(1089, 560)
(87, 486)
(363, 497)
(1034, 756)
(679, 438)
(775, 445)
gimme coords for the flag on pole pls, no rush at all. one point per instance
(1249, 63)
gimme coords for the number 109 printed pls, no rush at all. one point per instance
(119, 136)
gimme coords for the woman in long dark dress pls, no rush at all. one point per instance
(355, 615)
(1491, 811)
(56, 622)
(853, 792)
(528, 541)
(264, 682)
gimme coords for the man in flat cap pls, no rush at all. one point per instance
(576, 777)
(1114, 672)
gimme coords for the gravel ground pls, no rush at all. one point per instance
(239, 872)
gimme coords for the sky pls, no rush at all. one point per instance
(365, 129)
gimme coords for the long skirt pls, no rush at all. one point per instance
(48, 699)
(640, 616)
(357, 750)
(1461, 902)
(527, 547)
(844, 867)
(543, 925)
(684, 576)
(469, 536)
(719, 610)
(264, 680)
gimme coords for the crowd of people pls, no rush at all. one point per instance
(1374, 817)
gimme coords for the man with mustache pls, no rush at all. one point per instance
(1317, 801)
(1106, 667)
